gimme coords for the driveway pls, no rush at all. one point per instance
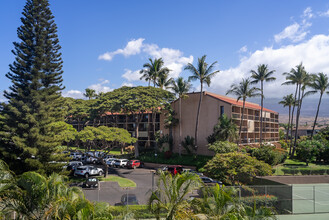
(111, 192)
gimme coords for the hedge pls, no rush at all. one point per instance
(261, 200)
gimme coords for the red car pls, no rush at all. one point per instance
(174, 169)
(134, 164)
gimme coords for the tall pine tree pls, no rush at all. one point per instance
(34, 98)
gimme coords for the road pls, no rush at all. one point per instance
(111, 192)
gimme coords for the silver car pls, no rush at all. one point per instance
(87, 171)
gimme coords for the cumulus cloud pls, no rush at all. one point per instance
(293, 32)
(133, 47)
(76, 94)
(173, 58)
(324, 14)
(243, 49)
(131, 75)
(313, 53)
(296, 32)
(101, 87)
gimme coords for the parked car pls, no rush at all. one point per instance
(192, 171)
(72, 165)
(135, 164)
(129, 199)
(208, 180)
(174, 169)
(87, 171)
(108, 157)
(120, 162)
(91, 182)
(110, 162)
(89, 159)
(76, 155)
(161, 168)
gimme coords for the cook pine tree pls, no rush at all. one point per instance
(34, 97)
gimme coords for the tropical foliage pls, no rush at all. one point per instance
(224, 130)
(203, 73)
(221, 147)
(236, 167)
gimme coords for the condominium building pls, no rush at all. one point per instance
(212, 107)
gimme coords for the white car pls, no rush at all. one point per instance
(120, 162)
(76, 155)
(89, 159)
(87, 171)
(110, 162)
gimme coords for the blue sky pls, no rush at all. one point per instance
(105, 43)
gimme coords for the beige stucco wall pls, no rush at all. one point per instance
(209, 114)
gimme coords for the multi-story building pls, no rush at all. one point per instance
(146, 128)
(212, 107)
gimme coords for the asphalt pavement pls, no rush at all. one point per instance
(111, 192)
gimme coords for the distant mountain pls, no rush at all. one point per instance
(309, 106)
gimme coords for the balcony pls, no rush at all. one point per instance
(235, 116)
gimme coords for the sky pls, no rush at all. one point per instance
(105, 43)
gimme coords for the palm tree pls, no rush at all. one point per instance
(163, 82)
(262, 74)
(320, 83)
(171, 192)
(90, 93)
(180, 88)
(294, 77)
(304, 83)
(153, 70)
(288, 100)
(203, 73)
(243, 91)
(224, 130)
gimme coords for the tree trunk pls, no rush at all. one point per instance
(287, 134)
(106, 169)
(197, 119)
(261, 116)
(316, 116)
(180, 127)
(292, 119)
(297, 121)
(241, 122)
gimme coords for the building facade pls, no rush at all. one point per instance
(212, 107)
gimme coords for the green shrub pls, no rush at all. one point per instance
(188, 160)
(138, 211)
(308, 150)
(236, 167)
(262, 200)
(283, 144)
(223, 147)
(188, 144)
(269, 154)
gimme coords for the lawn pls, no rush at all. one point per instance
(123, 182)
(296, 167)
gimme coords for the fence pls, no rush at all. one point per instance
(286, 199)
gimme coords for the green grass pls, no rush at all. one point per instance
(115, 151)
(296, 167)
(123, 182)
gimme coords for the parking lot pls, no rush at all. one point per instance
(111, 192)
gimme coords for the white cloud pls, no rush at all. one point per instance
(101, 87)
(308, 13)
(313, 53)
(127, 84)
(296, 32)
(243, 49)
(324, 14)
(133, 47)
(293, 32)
(131, 75)
(76, 94)
(173, 58)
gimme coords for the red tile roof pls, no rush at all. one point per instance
(235, 102)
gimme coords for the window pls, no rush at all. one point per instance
(221, 110)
